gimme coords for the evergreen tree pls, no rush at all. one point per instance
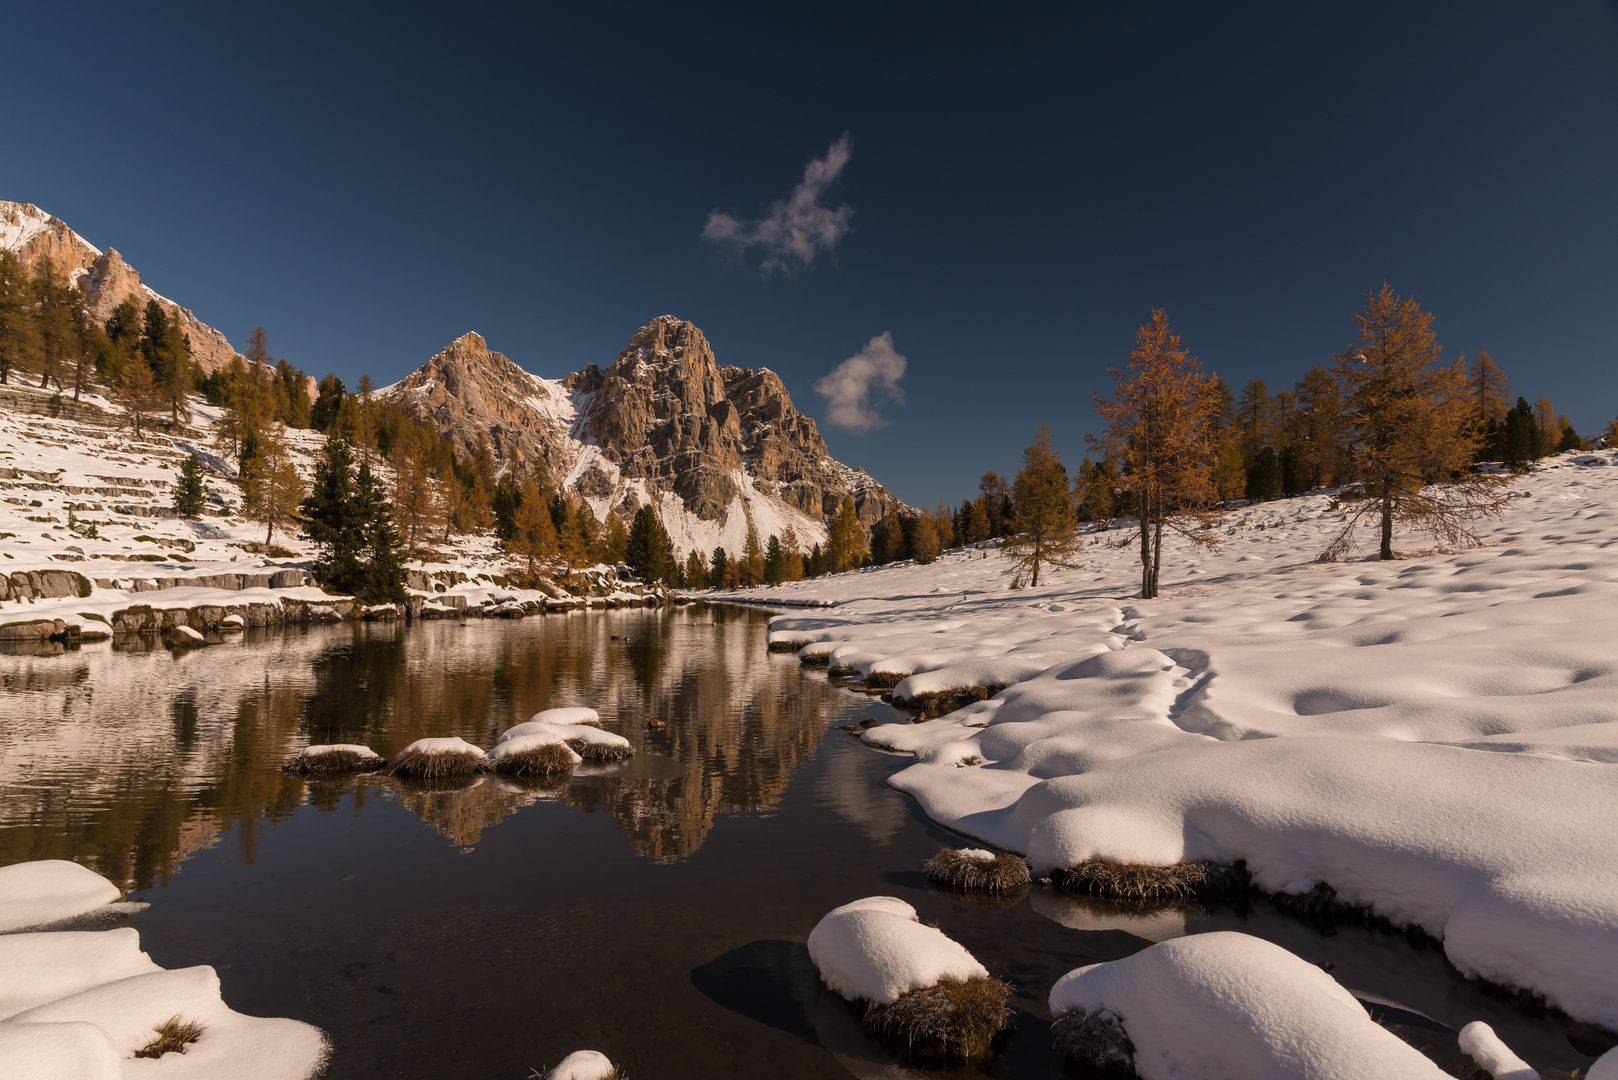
(334, 521)
(775, 561)
(294, 385)
(18, 331)
(576, 539)
(383, 580)
(1045, 530)
(328, 400)
(649, 552)
(1520, 442)
(718, 569)
(1414, 430)
(613, 542)
(815, 563)
(189, 498)
(1264, 480)
(508, 499)
(1570, 437)
(1161, 427)
(881, 545)
(58, 338)
(994, 491)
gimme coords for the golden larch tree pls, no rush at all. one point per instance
(271, 487)
(1160, 428)
(1413, 425)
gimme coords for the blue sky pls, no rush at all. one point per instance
(1020, 189)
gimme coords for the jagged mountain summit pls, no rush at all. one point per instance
(712, 447)
(34, 235)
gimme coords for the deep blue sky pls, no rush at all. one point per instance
(367, 185)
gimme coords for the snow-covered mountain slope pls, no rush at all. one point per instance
(1433, 737)
(714, 448)
(36, 235)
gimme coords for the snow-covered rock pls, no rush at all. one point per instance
(571, 714)
(1479, 1042)
(876, 950)
(1226, 1004)
(583, 1065)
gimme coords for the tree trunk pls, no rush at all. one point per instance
(1387, 522)
(1157, 556)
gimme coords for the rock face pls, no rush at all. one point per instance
(35, 235)
(713, 447)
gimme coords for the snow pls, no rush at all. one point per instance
(1227, 1004)
(322, 749)
(449, 745)
(1433, 737)
(1479, 1042)
(67, 1051)
(583, 1065)
(558, 732)
(50, 890)
(1605, 1068)
(979, 854)
(45, 966)
(877, 950)
(572, 714)
(77, 1004)
(511, 745)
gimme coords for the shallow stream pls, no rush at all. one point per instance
(654, 910)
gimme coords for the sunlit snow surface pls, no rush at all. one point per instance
(1435, 737)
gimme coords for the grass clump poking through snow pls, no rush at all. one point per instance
(433, 759)
(533, 757)
(1097, 1039)
(950, 1022)
(1139, 883)
(333, 759)
(977, 870)
(172, 1037)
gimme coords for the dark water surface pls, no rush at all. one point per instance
(655, 911)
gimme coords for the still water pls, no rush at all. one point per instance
(654, 910)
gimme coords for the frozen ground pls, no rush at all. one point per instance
(1434, 737)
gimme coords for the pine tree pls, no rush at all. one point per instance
(846, 547)
(328, 400)
(649, 552)
(189, 498)
(57, 336)
(1045, 532)
(383, 580)
(1491, 393)
(775, 561)
(1264, 477)
(334, 521)
(576, 538)
(1414, 431)
(750, 567)
(993, 490)
(1570, 437)
(718, 569)
(814, 564)
(1520, 437)
(881, 544)
(1253, 415)
(1160, 427)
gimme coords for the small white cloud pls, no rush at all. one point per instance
(796, 229)
(854, 388)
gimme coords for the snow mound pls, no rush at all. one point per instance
(231, 1046)
(1605, 1068)
(70, 1051)
(50, 890)
(573, 714)
(581, 733)
(527, 741)
(323, 749)
(450, 745)
(1480, 1043)
(877, 950)
(1226, 1004)
(38, 968)
(583, 1065)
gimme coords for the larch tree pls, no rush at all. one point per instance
(1044, 528)
(793, 552)
(924, 545)
(696, 571)
(138, 390)
(533, 532)
(846, 545)
(1322, 447)
(1490, 392)
(273, 490)
(418, 506)
(1160, 429)
(750, 567)
(19, 332)
(1550, 432)
(1413, 425)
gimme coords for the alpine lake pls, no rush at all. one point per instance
(655, 910)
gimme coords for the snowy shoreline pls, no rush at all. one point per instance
(1434, 739)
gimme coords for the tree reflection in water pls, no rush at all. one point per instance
(128, 758)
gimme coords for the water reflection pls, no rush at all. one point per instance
(129, 758)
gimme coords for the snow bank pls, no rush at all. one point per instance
(877, 950)
(1226, 1004)
(70, 1051)
(1605, 1068)
(50, 890)
(1434, 737)
(1479, 1042)
(38, 968)
(583, 1065)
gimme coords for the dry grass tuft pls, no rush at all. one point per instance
(1138, 883)
(173, 1036)
(950, 1022)
(434, 766)
(1097, 1039)
(546, 760)
(338, 761)
(601, 751)
(950, 869)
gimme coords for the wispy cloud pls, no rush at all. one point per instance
(854, 388)
(797, 229)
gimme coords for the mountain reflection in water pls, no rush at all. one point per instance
(128, 758)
